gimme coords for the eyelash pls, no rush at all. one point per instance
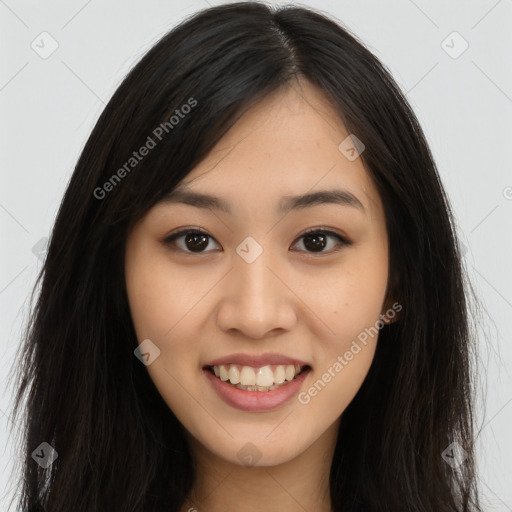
(169, 240)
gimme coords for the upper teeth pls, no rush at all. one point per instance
(264, 376)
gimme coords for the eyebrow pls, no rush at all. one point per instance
(287, 203)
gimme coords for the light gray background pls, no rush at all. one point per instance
(464, 104)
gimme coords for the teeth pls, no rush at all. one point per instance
(223, 373)
(234, 375)
(247, 376)
(265, 377)
(279, 374)
(257, 379)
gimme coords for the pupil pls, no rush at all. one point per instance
(196, 241)
(315, 239)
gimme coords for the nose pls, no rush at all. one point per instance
(257, 301)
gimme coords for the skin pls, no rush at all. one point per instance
(197, 307)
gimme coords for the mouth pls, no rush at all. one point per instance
(263, 378)
(256, 382)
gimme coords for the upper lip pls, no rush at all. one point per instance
(256, 361)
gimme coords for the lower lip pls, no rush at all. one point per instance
(256, 400)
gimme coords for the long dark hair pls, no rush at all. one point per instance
(119, 446)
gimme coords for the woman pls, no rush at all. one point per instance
(253, 297)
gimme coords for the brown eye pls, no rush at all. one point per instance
(316, 240)
(194, 241)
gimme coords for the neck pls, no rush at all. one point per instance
(298, 484)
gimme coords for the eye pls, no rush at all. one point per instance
(196, 240)
(317, 239)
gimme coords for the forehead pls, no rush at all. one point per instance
(287, 144)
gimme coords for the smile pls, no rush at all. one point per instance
(264, 378)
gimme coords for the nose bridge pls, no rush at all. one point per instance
(255, 301)
(255, 285)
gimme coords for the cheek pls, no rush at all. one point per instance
(166, 307)
(159, 297)
(149, 301)
(349, 305)
(351, 296)
(160, 314)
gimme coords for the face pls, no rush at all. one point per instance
(247, 293)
